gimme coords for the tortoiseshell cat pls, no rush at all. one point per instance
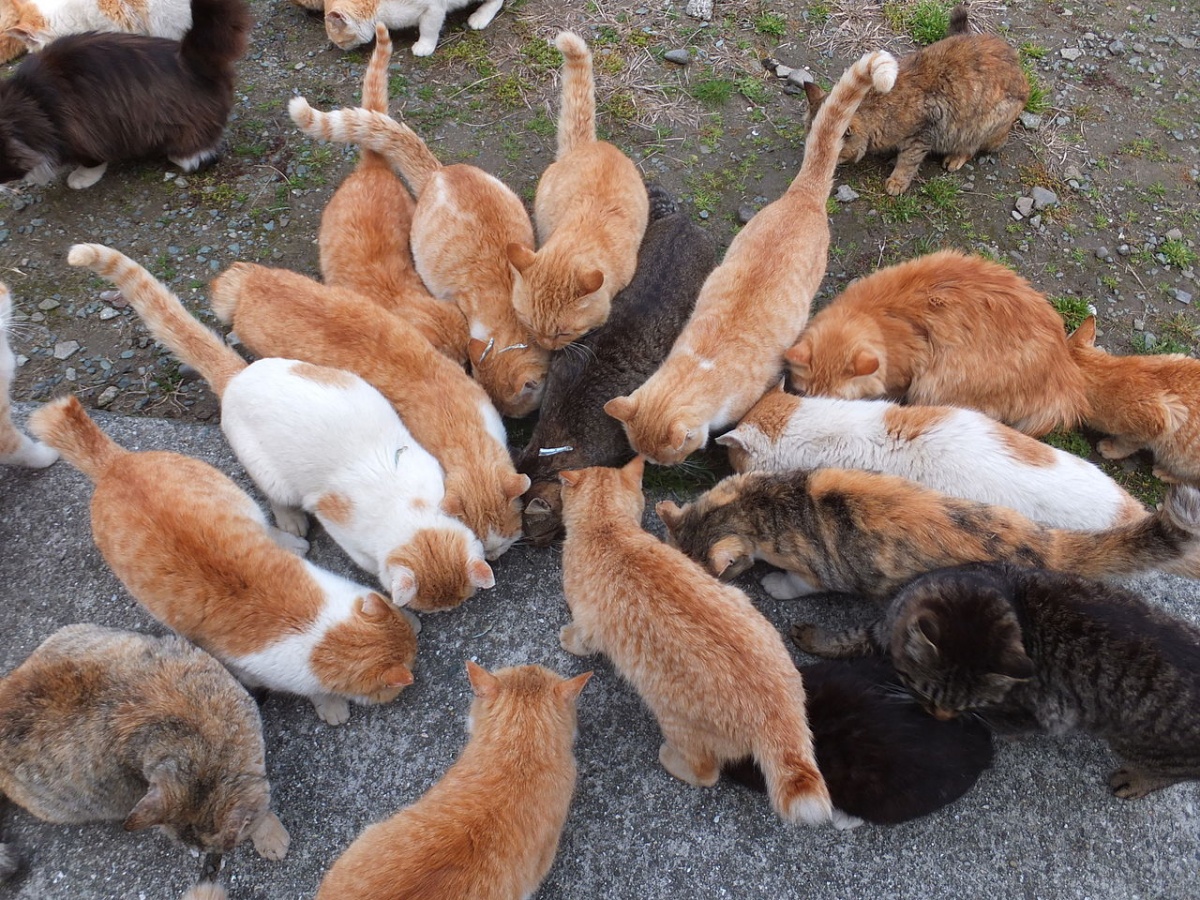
(868, 533)
(1030, 650)
(675, 257)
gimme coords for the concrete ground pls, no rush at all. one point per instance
(1040, 823)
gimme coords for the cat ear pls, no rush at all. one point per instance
(520, 256)
(591, 281)
(480, 574)
(22, 34)
(670, 513)
(570, 689)
(404, 585)
(922, 634)
(570, 477)
(452, 504)
(398, 675)
(150, 810)
(515, 485)
(815, 96)
(865, 363)
(475, 351)
(731, 439)
(799, 354)
(678, 435)
(483, 683)
(633, 470)
(374, 606)
(1017, 666)
(724, 553)
(537, 508)
(1085, 334)
(621, 408)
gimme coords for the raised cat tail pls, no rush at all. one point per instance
(577, 116)
(163, 314)
(218, 38)
(960, 21)
(375, 89)
(874, 70)
(65, 426)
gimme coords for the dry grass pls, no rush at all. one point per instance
(854, 28)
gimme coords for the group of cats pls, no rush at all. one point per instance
(617, 323)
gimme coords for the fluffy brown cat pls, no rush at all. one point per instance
(953, 98)
(714, 672)
(280, 313)
(489, 829)
(753, 306)
(1150, 402)
(591, 210)
(946, 329)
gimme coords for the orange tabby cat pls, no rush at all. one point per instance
(946, 329)
(591, 210)
(1150, 402)
(753, 305)
(714, 672)
(489, 829)
(280, 313)
(197, 553)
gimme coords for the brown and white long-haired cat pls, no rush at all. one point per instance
(16, 448)
(91, 99)
(753, 306)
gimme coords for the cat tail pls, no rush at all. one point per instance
(164, 316)
(218, 38)
(577, 117)
(375, 89)
(960, 20)
(794, 783)
(872, 71)
(65, 425)
(405, 152)
(205, 890)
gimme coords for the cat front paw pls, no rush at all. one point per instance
(289, 542)
(1114, 448)
(844, 821)
(1129, 783)
(32, 454)
(424, 47)
(332, 710)
(897, 185)
(85, 177)
(572, 641)
(291, 519)
(271, 839)
(785, 585)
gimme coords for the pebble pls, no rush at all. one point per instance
(1183, 296)
(1123, 249)
(1031, 121)
(846, 194)
(1102, 253)
(47, 305)
(745, 213)
(1116, 48)
(1043, 197)
(1024, 206)
(679, 57)
(64, 349)
(107, 396)
(1174, 235)
(108, 313)
(1070, 54)
(126, 354)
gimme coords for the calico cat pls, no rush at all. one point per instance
(350, 23)
(946, 329)
(754, 304)
(489, 829)
(280, 313)
(463, 220)
(195, 550)
(32, 24)
(71, 104)
(712, 670)
(321, 441)
(953, 98)
(867, 533)
(1030, 650)
(572, 428)
(100, 725)
(365, 229)
(16, 449)
(591, 210)
(883, 757)
(1146, 402)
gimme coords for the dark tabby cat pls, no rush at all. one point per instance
(675, 258)
(884, 759)
(867, 533)
(1030, 650)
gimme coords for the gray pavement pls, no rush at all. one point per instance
(1040, 823)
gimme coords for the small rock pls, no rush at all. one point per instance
(745, 213)
(1116, 48)
(70, 374)
(700, 9)
(1187, 43)
(1174, 235)
(1036, 222)
(126, 354)
(107, 396)
(679, 57)
(704, 213)
(1070, 53)
(21, 360)
(65, 349)
(846, 194)
(108, 313)
(1024, 205)
(1031, 121)
(1102, 253)
(1043, 197)
(1072, 173)
(1123, 250)
(47, 305)
(1139, 324)
(1183, 296)
(1016, 215)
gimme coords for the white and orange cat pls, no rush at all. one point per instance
(16, 448)
(711, 668)
(350, 23)
(198, 554)
(754, 305)
(321, 441)
(32, 24)
(489, 829)
(464, 219)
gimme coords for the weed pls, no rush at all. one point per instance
(397, 85)
(1177, 253)
(899, 210)
(832, 206)
(925, 21)
(1030, 50)
(512, 148)
(1069, 442)
(1179, 328)
(712, 91)
(164, 269)
(507, 91)
(619, 105)
(771, 24)
(606, 36)
(1074, 310)
(1101, 221)
(610, 64)
(540, 55)
(542, 125)
(1039, 97)
(1110, 282)
(819, 13)
(1146, 344)
(942, 192)
(753, 90)
(1158, 190)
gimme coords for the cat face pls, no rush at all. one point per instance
(25, 23)
(370, 655)
(707, 531)
(513, 376)
(828, 362)
(556, 302)
(213, 814)
(665, 437)
(491, 505)
(347, 28)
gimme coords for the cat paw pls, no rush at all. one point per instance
(33, 454)
(289, 542)
(1164, 475)
(845, 822)
(1111, 448)
(291, 519)
(85, 177)
(954, 163)
(571, 641)
(808, 637)
(483, 16)
(271, 839)
(1133, 784)
(332, 710)
(896, 185)
(785, 585)
(424, 47)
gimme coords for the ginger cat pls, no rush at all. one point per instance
(350, 23)
(321, 441)
(591, 210)
(946, 329)
(280, 313)
(32, 24)
(16, 448)
(753, 306)
(489, 829)
(365, 229)
(197, 553)
(1150, 402)
(711, 668)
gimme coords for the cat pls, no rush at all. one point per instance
(1146, 402)
(100, 724)
(953, 98)
(883, 757)
(71, 104)
(489, 829)
(16, 448)
(946, 329)
(351, 23)
(754, 304)
(463, 220)
(364, 236)
(281, 313)
(1030, 650)
(591, 210)
(867, 533)
(32, 24)
(572, 429)
(712, 670)
(321, 441)
(196, 552)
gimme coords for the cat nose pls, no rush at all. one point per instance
(944, 715)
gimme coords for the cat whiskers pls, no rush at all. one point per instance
(579, 351)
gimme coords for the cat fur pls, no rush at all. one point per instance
(351, 23)
(945, 329)
(755, 303)
(712, 670)
(16, 448)
(196, 552)
(489, 829)
(31, 24)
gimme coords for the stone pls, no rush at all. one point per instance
(47, 305)
(65, 349)
(1024, 206)
(107, 396)
(1070, 54)
(1174, 235)
(108, 313)
(1123, 250)
(1183, 296)
(1116, 48)
(1072, 173)
(700, 9)
(1043, 197)
(680, 57)
(1031, 121)
(846, 194)
(745, 213)
(1102, 253)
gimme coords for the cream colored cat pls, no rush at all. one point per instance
(16, 449)
(32, 24)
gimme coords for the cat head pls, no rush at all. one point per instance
(437, 569)
(514, 376)
(532, 698)
(760, 428)
(657, 427)
(489, 502)
(833, 358)
(614, 490)
(542, 519)
(347, 26)
(369, 655)
(708, 530)
(856, 141)
(23, 22)
(555, 300)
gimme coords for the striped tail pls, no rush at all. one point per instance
(226, 289)
(375, 89)
(163, 314)
(577, 117)
(65, 426)
(874, 70)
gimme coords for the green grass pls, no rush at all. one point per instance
(1074, 310)
(1162, 345)
(1039, 97)
(943, 192)
(1070, 442)
(899, 210)
(540, 55)
(713, 91)
(753, 89)
(1177, 253)
(542, 125)
(819, 13)
(925, 22)
(771, 24)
